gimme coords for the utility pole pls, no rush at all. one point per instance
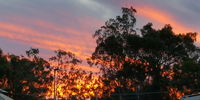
(96, 96)
(55, 90)
(138, 96)
(120, 96)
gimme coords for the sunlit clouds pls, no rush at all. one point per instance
(40, 39)
(163, 18)
(179, 14)
(69, 24)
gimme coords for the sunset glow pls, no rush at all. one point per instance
(69, 25)
(84, 88)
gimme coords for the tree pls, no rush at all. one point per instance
(145, 61)
(71, 81)
(32, 77)
(186, 80)
(26, 78)
(3, 68)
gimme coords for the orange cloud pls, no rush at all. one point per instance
(161, 17)
(85, 27)
(46, 40)
(49, 41)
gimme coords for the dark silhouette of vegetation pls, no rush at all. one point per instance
(24, 77)
(151, 64)
(32, 77)
(146, 61)
(74, 83)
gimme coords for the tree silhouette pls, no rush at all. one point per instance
(152, 64)
(32, 77)
(147, 61)
(25, 78)
(71, 81)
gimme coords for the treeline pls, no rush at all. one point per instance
(24, 77)
(32, 77)
(146, 63)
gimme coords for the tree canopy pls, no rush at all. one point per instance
(149, 60)
(149, 63)
(71, 81)
(32, 77)
(24, 77)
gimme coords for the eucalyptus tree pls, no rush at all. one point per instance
(145, 60)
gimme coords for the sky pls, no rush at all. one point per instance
(69, 24)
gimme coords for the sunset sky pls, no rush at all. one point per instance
(69, 24)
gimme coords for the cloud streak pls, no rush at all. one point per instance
(49, 41)
(69, 24)
(161, 17)
(46, 40)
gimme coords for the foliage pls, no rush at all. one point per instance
(32, 77)
(147, 61)
(155, 63)
(71, 81)
(25, 78)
